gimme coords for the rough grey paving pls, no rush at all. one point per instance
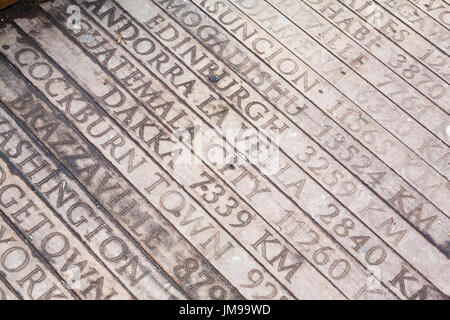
(232, 149)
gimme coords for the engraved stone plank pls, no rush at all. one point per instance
(25, 271)
(199, 177)
(401, 119)
(440, 231)
(426, 81)
(6, 293)
(344, 114)
(52, 239)
(389, 148)
(411, 245)
(72, 134)
(381, 23)
(87, 217)
(299, 283)
(419, 21)
(438, 9)
(208, 247)
(100, 228)
(160, 121)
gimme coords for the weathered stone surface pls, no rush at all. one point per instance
(235, 149)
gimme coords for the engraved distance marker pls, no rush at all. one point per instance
(432, 82)
(189, 219)
(183, 171)
(215, 289)
(430, 219)
(150, 242)
(381, 22)
(203, 196)
(367, 136)
(136, 270)
(340, 109)
(283, 267)
(426, 26)
(402, 124)
(153, 239)
(423, 143)
(391, 181)
(204, 184)
(438, 9)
